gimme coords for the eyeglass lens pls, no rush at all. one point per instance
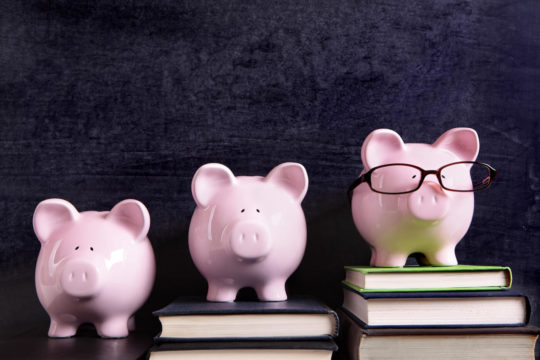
(465, 177)
(395, 178)
(402, 178)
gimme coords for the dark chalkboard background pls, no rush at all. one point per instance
(107, 100)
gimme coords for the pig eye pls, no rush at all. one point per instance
(258, 210)
(91, 248)
(414, 176)
(76, 248)
(444, 177)
(242, 210)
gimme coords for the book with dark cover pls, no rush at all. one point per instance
(434, 309)
(315, 349)
(437, 294)
(195, 319)
(221, 345)
(194, 305)
(436, 342)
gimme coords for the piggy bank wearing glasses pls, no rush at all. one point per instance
(417, 198)
(248, 231)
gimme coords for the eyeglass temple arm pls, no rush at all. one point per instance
(355, 183)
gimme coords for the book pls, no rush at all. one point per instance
(195, 319)
(428, 278)
(438, 343)
(463, 308)
(245, 350)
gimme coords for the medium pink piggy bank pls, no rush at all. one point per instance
(93, 267)
(417, 198)
(248, 231)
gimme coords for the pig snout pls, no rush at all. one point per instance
(430, 202)
(80, 279)
(250, 240)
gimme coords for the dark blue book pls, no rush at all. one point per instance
(441, 343)
(245, 350)
(436, 309)
(195, 319)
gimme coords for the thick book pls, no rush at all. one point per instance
(464, 308)
(471, 343)
(195, 319)
(428, 278)
(244, 350)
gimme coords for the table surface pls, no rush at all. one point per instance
(35, 344)
(86, 345)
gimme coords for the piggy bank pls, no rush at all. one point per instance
(248, 231)
(93, 267)
(417, 198)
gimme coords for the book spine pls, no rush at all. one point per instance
(508, 277)
(335, 334)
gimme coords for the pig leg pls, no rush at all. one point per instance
(131, 323)
(444, 256)
(388, 259)
(218, 291)
(60, 328)
(373, 259)
(114, 327)
(272, 291)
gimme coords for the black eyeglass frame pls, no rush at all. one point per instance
(367, 177)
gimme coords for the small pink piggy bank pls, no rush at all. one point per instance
(248, 231)
(417, 198)
(93, 267)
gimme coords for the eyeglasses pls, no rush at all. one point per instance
(462, 176)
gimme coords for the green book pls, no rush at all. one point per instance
(428, 278)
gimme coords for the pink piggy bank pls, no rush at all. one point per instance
(248, 231)
(93, 267)
(417, 198)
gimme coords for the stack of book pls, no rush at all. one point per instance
(423, 312)
(193, 328)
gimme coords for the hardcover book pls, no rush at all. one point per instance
(471, 343)
(244, 350)
(464, 308)
(195, 319)
(428, 278)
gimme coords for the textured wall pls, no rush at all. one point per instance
(106, 100)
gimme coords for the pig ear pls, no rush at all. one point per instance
(292, 176)
(378, 145)
(461, 141)
(50, 215)
(133, 215)
(208, 181)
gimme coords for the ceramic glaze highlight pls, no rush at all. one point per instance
(93, 267)
(430, 220)
(248, 231)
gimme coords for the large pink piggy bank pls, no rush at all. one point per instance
(93, 267)
(248, 231)
(417, 198)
